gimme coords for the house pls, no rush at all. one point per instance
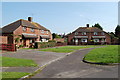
(3, 39)
(88, 35)
(26, 32)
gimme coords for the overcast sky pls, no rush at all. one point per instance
(63, 17)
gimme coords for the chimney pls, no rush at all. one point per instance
(30, 19)
(87, 25)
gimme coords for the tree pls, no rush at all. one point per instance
(98, 26)
(55, 35)
(117, 31)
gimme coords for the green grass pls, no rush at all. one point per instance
(108, 54)
(15, 62)
(13, 75)
(66, 49)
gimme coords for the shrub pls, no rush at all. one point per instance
(45, 44)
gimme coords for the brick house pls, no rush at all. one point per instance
(88, 35)
(26, 32)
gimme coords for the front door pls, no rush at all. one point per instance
(24, 42)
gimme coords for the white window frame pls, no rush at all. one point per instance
(32, 30)
(96, 40)
(95, 33)
(84, 33)
(46, 32)
(24, 28)
(84, 40)
(76, 33)
(42, 31)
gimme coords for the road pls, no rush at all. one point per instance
(72, 66)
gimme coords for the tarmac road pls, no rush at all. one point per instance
(72, 67)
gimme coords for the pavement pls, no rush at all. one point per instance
(72, 67)
(40, 57)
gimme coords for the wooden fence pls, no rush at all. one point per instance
(8, 47)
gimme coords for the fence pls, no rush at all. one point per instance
(8, 47)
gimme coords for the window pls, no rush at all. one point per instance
(24, 28)
(95, 33)
(32, 30)
(96, 40)
(46, 32)
(83, 33)
(42, 31)
(83, 40)
(103, 33)
(76, 33)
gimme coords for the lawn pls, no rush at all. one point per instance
(13, 75)
(66, 49)
(108, 54)
(15, 62)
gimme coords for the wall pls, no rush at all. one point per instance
(3, 40)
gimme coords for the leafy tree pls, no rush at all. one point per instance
(98, 26)
(55, 35)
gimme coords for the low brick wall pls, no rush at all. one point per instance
(8, 47)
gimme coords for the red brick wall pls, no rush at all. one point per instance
(19, 31)
(89, 34)
(3, 40)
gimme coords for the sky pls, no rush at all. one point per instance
(63, 17)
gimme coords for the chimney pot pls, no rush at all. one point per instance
(30, 19)
(87, 25)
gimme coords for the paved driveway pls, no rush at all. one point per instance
(72, 67)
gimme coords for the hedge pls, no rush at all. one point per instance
(45, 44)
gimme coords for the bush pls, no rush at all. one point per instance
(20, 46)
(51, 41)
(45, 44)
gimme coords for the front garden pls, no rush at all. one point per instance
(15, 62)
(108, 54)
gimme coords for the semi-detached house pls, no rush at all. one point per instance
(88, 35)
(26, 32)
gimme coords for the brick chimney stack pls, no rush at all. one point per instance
(87, 25)
(30, 19)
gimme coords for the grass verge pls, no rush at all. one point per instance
(15, 62)
(66, 49)
(13, 75)
(108, 54)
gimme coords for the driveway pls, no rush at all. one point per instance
(40, 57)
(72, 67)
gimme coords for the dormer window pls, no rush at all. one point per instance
(83, 33)
(95, 33)
(24, 28)
(76, 33)
(103, 33)
(32, 30)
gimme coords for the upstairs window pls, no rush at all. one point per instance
(95, 33)
(32, 30)
(76, 33)
(24, 29)
(46, 32)
(42, 31)
(83, 33)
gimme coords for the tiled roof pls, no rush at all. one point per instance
(88, 29)
(13, 26)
